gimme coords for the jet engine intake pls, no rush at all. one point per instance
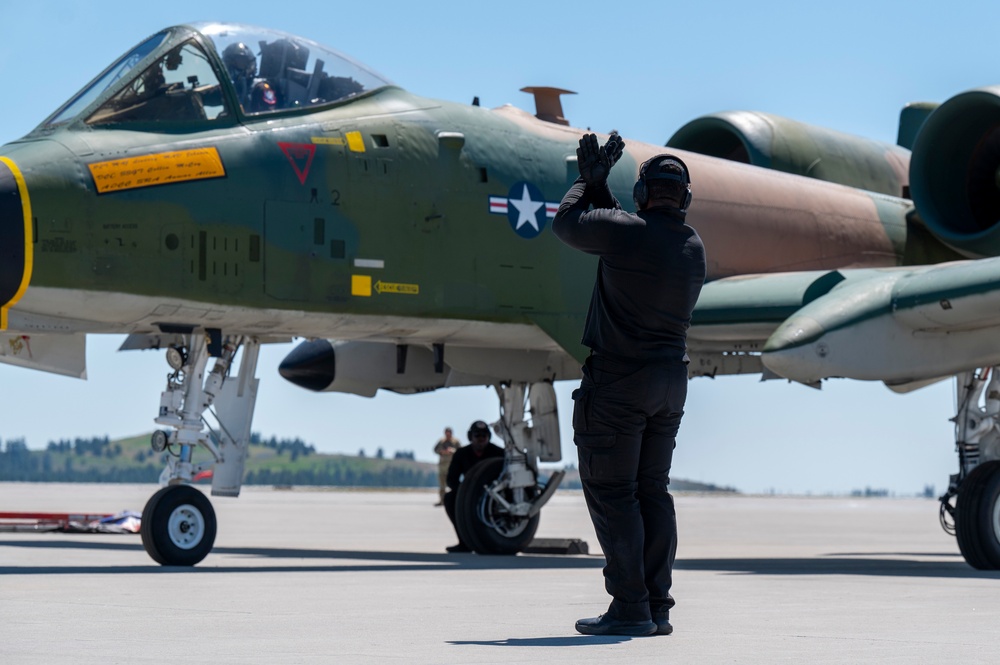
(781, 144)
(955, 172)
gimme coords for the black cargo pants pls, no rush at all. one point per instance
(449, 507)
(625, 417)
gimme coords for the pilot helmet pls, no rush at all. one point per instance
(240, 61)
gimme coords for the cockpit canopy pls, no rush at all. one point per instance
(210, 72)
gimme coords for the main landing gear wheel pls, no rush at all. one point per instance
(977, 517)
(482, 522)
(178, 526)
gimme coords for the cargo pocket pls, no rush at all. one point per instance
(594, 453)
(582, 398)
(594, 440)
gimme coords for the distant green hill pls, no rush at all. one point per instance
(270, 462)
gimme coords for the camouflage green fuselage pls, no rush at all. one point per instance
(357, 220)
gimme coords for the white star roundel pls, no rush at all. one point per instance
(525, 207)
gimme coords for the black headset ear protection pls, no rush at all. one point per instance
(640, 192)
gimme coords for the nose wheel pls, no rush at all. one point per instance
(483, 522)
(178, 526)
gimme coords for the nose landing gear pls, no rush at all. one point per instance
(178, 522)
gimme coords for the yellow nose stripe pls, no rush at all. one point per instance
(16, 240)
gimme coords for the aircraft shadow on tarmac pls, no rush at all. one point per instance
(888, 564)
(355, 560)
(572, 641)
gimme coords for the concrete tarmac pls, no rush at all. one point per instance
(324, 576)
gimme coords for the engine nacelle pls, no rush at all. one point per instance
(782, 144)
(955, 172)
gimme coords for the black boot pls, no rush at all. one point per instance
(662, 621)
(606, 625)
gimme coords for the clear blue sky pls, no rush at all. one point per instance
(641, 68)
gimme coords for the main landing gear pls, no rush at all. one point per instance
(975, 516)
(498, 503)
(178, 523)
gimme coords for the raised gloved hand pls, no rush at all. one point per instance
(594, 161)
(614, 148)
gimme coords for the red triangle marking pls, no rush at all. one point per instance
(301, 156)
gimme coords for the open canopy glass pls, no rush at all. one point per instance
(205, 71)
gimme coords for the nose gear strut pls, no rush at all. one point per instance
(178, 522)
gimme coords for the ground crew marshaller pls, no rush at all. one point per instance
(628, 407)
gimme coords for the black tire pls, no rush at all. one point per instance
(479, 520)
(178, 526)
(977, 517)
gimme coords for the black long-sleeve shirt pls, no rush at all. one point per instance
(650, 273)
(464, 459)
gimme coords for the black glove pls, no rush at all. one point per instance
(594, 161)
(614, 148)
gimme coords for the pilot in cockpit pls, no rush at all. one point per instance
(255, 95)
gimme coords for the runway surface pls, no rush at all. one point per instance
(314, 576)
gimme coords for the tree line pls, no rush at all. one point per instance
(98, 459)
(344, 475)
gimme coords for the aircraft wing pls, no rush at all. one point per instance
(902, 325)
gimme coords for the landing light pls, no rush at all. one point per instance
(175, 358)
(158, 442)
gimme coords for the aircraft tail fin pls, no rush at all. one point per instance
(911, 119)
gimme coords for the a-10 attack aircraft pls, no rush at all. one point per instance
(222, 186)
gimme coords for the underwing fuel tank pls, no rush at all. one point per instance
(894, 325)
(364, 367)
(360, 368)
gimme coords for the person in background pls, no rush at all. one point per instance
(445, 448)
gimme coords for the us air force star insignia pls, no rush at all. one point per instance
(526, 210)
(525, 207)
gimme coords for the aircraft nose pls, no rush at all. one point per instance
(310, 365)
(15, 237)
